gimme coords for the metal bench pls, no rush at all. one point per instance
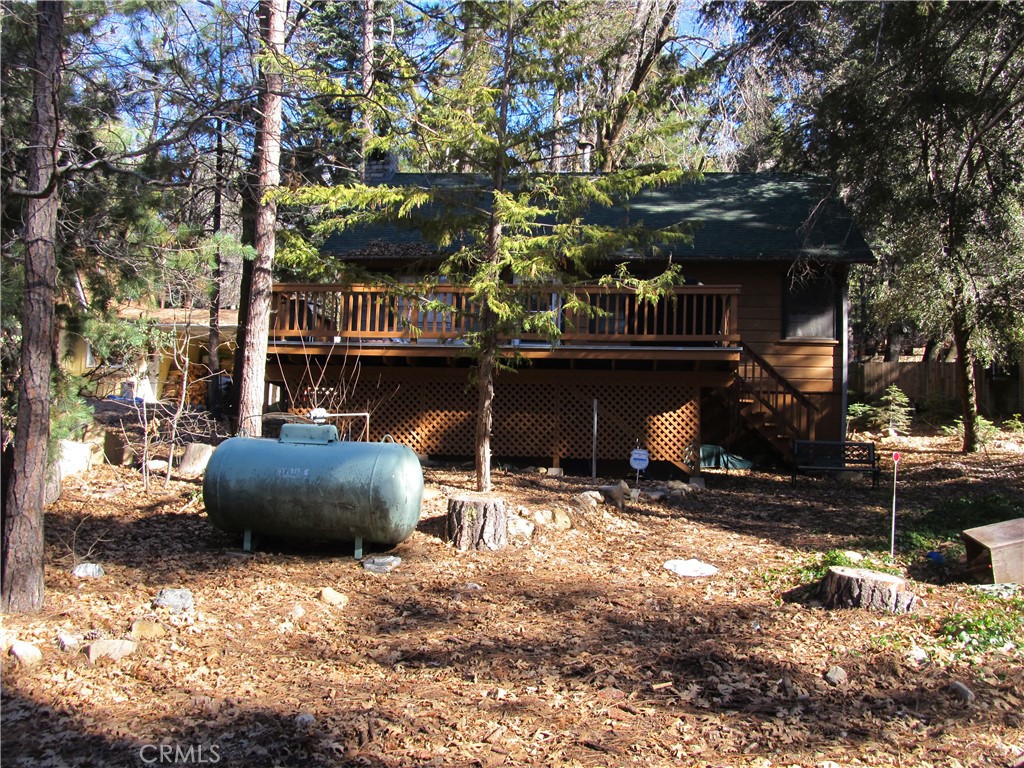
(835, 456)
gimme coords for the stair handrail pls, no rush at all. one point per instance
(803, 427)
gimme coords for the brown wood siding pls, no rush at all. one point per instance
(814, 367)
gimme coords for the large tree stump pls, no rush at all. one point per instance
(477, 521)
(845, 587)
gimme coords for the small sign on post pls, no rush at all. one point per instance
(639, 458)
(892, 534)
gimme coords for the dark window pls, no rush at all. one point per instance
(809, 307)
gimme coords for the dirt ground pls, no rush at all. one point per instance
(575, 647)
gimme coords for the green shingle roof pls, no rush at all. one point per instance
(733, 216)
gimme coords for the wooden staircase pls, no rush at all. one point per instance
(762, 400)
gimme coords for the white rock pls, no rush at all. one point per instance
(520, 528)
(304, 720)
(690, 568)
(381, 563)
(109, 649)
(853, 557)
(542, 517)
(25, 654)
(87, 571)
(174, 600)
(917, 654)
(68, 642)
(297, 613)
(333, 597)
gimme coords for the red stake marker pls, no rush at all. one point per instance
(892, 534)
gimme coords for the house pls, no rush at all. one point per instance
(158, 375)
(750, 351)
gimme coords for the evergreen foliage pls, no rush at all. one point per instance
(916, 111)
(501, 224)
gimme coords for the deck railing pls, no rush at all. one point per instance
(327, 314)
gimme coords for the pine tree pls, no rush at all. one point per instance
(506, 226)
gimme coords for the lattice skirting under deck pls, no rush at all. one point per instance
(536, 413)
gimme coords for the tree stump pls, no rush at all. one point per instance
(477, 521)
(845, 587)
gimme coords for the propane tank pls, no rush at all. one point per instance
(308, 484)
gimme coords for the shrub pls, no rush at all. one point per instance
(895, 411)
(985, 430)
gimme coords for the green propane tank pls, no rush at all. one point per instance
(310, 485)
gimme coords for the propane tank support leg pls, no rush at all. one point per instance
(247, 540)
(359, 548)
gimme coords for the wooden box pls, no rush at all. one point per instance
(997, 550)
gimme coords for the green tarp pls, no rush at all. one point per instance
(716, 457)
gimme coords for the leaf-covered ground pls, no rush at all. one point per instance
(573, 648)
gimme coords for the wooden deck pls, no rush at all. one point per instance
(694, 323)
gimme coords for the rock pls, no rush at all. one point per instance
(333, 597)
(304, 720)
(690, 568)
(296, 613)
(697, 482)
(381, 563)
(853, 557)
(113, 649)
(554, 472)
(561, 520)
(657, 495)
(174, 600)
(677, 485)
(75, 457)
(836, 676)
(145, 629)
(87, 571)
(156, 466)
(542, 517)
(586, 500)
(961, 691)
(25, 654)
(597, 496)
(68, 642)
(616, 493)
(520, 528)
(917, 654)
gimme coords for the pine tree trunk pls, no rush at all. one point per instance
(845, 587)
(477, 521)
(484, 416)
(22, 531)
(253, 378)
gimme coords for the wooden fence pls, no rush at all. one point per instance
(922, 382)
